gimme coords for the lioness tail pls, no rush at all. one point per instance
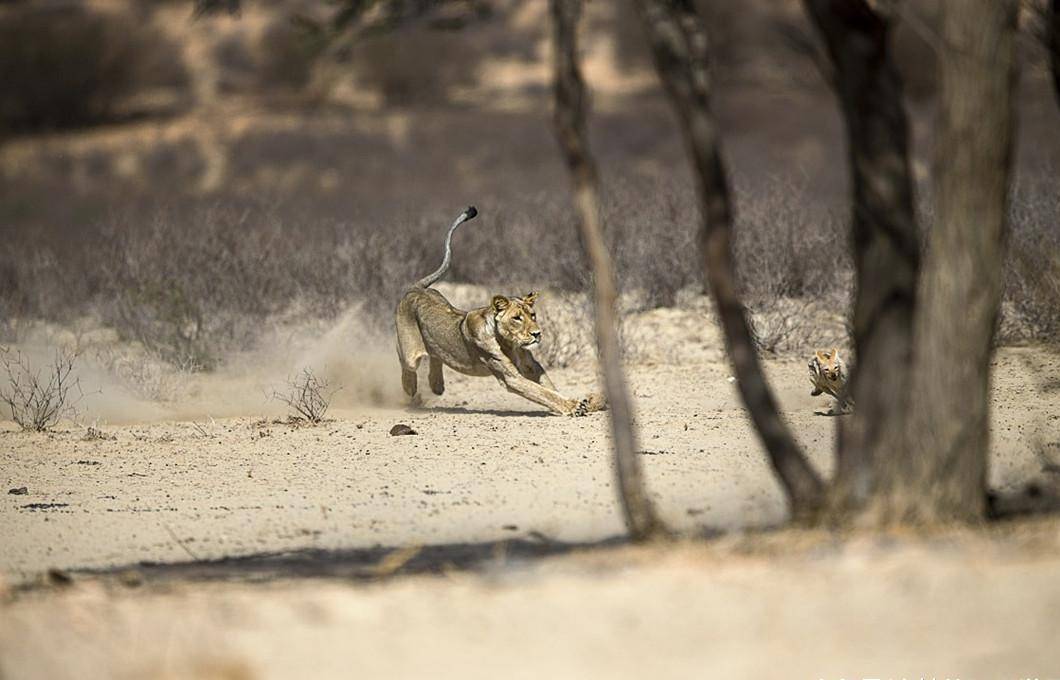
(468, 214)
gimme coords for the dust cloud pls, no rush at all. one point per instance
(120, 383)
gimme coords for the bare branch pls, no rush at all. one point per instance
(679, 44)
(569, 124)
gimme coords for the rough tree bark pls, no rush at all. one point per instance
(569, 122)
(678, 42)
(961, 291)
(1052, 28)
(886, 251)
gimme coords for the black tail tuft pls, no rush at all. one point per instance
(471, 212)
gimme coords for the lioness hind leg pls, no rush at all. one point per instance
(410, 351)
(408, 382)
(435, 377)
(409, 364)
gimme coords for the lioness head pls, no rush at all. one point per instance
(516, 320)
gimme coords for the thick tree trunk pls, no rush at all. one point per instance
(569, 122)
(886, 250)
(679, 45)
(961, 290)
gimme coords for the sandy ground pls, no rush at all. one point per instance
(490, 480)
(485, 465)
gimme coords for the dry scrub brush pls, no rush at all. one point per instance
(307, 395)
(196, 283)
(39, 397)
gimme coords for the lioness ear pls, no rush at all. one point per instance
(530, 298)
(500, 303)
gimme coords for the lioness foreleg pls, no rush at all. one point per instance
(513, 380)
(530, 369)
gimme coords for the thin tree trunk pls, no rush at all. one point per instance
(886, 249)
(569, 121)
(679, 45)
(1053, 43)
(961, 291)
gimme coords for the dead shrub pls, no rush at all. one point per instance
(39, 397)
(785, 247)
(785, 326)
(652, 233)
(307, 395)
(782, 325)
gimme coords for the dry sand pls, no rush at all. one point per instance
(490, 481)
(952, 607)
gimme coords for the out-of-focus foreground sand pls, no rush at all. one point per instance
(787, 606)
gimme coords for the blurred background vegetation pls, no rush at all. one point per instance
(182, 172)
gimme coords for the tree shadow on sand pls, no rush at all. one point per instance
(356, 564)
(463, 410)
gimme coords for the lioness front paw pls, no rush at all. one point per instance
(590, 404)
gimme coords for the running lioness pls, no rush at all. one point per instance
(492, 340)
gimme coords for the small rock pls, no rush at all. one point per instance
(58, 577)
(400, 429)
(20, 491)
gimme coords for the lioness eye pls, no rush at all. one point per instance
(517, 317)
(533, 317)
